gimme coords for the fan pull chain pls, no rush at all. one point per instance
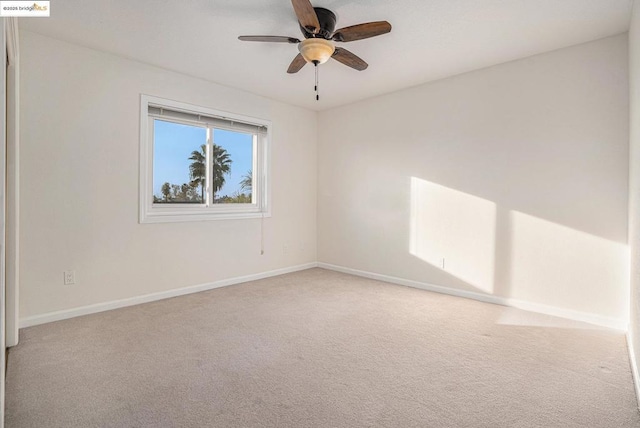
(316, 87)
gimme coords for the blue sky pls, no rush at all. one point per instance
(174, 143)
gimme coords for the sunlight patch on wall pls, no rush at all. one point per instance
(567, 268)
(454, 231)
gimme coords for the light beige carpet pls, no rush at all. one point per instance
(319, 349)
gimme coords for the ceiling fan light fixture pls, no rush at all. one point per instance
(316, 50)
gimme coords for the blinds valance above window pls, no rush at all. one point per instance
(207, 120)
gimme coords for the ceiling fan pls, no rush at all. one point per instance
(318, 27)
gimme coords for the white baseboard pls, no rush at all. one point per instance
(613, 323)
(115, 304)
(634, 366)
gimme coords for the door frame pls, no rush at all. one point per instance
(12, 217)
(3, 121)
(9, 94)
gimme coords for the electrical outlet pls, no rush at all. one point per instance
(69, 277)
(285, 249)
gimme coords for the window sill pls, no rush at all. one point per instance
(159, 217)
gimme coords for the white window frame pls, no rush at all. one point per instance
(163, 213)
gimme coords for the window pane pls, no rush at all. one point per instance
(232, 166)
(178, 163)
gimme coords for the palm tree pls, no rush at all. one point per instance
(220, 166)
(247, 181)
(198, 169)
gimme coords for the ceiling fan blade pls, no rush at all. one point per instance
(279, 39)
(349, 59)
(297, 63)
(361, 31)
(306, 15)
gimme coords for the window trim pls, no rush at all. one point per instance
(156, 213)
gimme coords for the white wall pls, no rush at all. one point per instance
(634, 190)
(79, 184)
(516, 175)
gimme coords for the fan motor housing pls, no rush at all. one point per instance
(327, 20)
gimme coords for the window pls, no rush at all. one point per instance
(201, 164)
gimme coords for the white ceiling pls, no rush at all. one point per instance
(430, 39)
